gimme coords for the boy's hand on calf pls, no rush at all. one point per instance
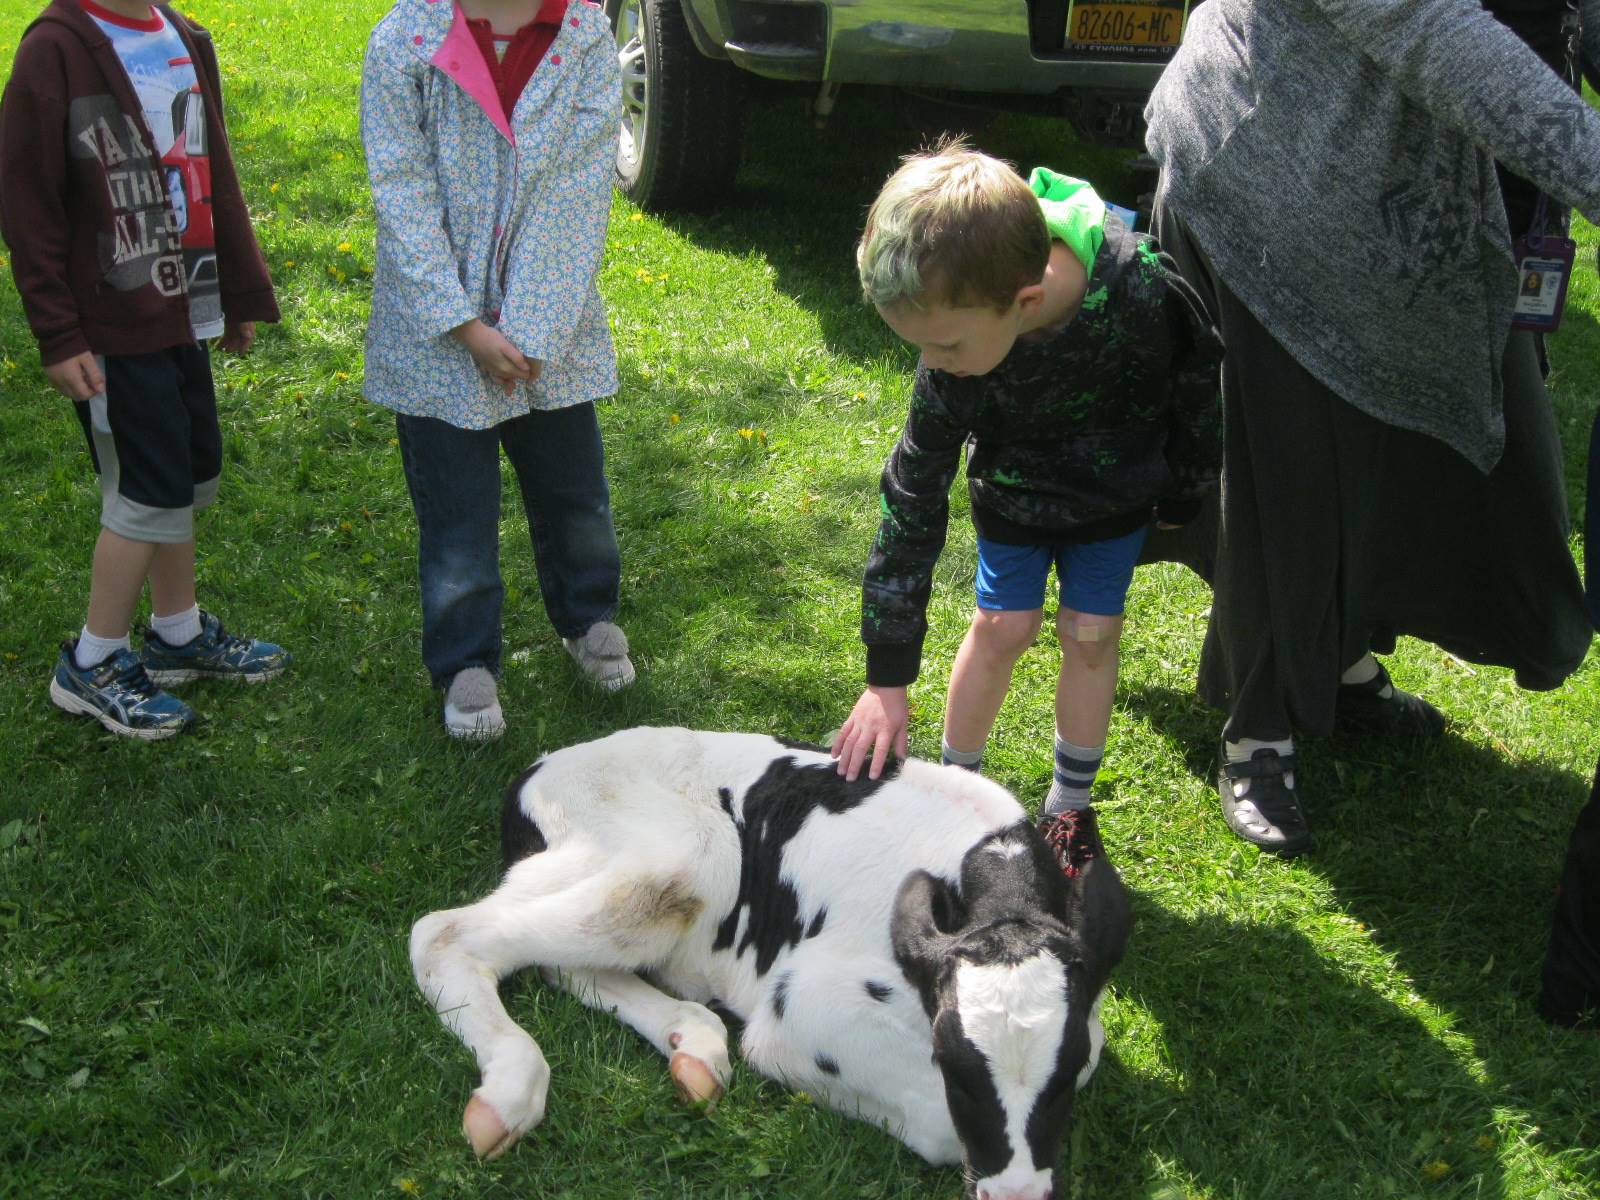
(496, 356)
(880, 720)
(78, 377)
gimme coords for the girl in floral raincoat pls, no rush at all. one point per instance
(490, 128)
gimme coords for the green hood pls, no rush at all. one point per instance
(1073, 211)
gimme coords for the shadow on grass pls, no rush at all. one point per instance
(1266, 1076)
(1448, 853)
(1451, 854)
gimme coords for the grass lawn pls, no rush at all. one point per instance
(204, 988)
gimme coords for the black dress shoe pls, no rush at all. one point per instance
(1268, 814)
(1362, 709)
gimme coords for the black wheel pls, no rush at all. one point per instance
(681, 119)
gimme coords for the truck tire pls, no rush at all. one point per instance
(681, 120)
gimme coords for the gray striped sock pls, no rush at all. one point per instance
(1076, 767)
(969, 760)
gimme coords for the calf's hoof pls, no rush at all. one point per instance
(696, 1082)
(485, 1130)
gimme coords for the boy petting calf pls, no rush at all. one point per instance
(1080, 375)
(902, 945)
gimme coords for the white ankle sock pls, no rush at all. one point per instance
(1364, 668)
(1245, 748)
(92, 650)
(180, 628)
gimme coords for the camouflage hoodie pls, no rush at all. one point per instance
(1074, 437)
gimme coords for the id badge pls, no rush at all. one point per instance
(1544, 265)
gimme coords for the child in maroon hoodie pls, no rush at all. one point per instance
(131, 246)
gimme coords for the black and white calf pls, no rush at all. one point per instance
(905, 949)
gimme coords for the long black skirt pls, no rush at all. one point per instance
(1335, 533)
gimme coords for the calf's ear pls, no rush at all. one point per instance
(923, 904)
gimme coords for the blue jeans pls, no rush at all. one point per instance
(454, 477)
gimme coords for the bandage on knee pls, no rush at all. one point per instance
(1080, 630)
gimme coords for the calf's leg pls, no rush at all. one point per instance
(690, 1036)
(547, 911)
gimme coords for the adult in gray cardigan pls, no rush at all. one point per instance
(1391, 462)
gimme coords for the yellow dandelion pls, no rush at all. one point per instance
(366, 270)
(1435, 1170)
(1484, 1142)
(341, 375)
(346, 526)
(673, 419)
(394, 441)
(641, 273)
(4, 261)
(661, 278)
(408, 1186)
(288, 263)
(860, 396)
(747, 434)
(273, 188)
(339, 275)
(338, 156)
(637, 217)
(344, 247)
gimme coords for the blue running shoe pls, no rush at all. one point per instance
(215, 654)
(119, 694)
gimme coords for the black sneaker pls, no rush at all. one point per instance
(1073, 837)
(1363, 710)
(1268, 814)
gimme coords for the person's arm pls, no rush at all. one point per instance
(33, 211)
(914, 497)
(547, 289)
(915, 505)
(1463, 66)
(244, 283)
(1194, 429)
(406, 196)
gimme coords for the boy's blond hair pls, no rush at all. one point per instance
(952, 226)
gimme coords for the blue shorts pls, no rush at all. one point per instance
(1094, 576)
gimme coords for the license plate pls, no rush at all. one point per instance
(1147, 25)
